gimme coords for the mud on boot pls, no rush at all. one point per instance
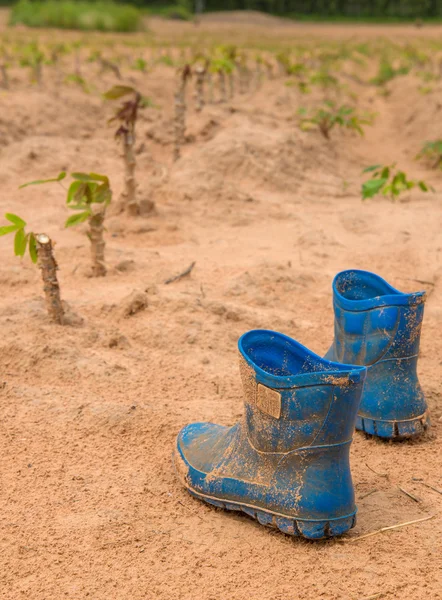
(286, 463)
(379, 327)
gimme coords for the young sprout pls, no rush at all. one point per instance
(324, 79)
(222, 66)
(184, 75)
(40, 250)
(230, 53)
(57, 50)
(325, 119)
(107, 65)
(387, 72)
(388, 182)
(33, 57)
(89, 194)
(126, 114)
(140, 65)
(78, 80)
(432, 151)
(283, 61)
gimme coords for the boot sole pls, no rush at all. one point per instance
(310, 529)
(394, 430)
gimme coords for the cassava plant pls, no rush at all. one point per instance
(184, 75)
(40, 249)
(389, 181)
(200, 70)
(126, 114)
(4, 66)
(139, 64)
(89, 195)
(34, 58)
(327, 118)
(108, 65)
(258, 71)
(387, 72)
(244, 73)
(432, 152)
(230, 52)
(222, 66)
(4, 75)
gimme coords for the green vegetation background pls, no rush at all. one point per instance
(376, 10)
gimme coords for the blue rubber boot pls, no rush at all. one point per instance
(379, 327)
(286, 463)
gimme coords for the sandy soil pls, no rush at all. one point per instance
(90, 506)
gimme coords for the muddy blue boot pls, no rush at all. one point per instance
(286, 463)
(379, 327)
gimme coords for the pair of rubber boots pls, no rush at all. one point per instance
(287, 462)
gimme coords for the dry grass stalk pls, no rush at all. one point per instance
(391, 527)
(415, 498)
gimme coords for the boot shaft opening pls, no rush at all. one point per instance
(360, 290)
(285, 362)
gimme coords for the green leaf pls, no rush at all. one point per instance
(33, 248)
(103, 194)
(98, 177)
(79, 206)
(72, 191)
(423, 186)
(20, 242)
(385, 173)
(372, 187)
(81, 177)
(16, 220)
(59, 177)
(118, 91)
(7, 229)
(372, 168)
(87, 177)
(77, 218)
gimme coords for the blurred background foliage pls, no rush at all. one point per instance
(308, 9)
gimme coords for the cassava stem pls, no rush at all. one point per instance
(180, 112)
(222, 86)
(210, 85)
(48, 266)
(5, 77)
(200, 73)
(129, 166)
(96, 230)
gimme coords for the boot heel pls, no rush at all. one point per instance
(394, 429)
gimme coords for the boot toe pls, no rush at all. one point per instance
(198, 450)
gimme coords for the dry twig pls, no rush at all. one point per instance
(415, 498)
(181, 275)
(367, 535)
(428, 485)
(376, 472)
